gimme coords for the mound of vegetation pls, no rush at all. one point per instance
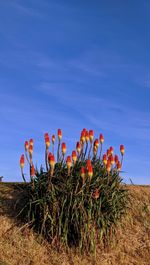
(78, 200)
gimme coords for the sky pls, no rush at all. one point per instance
(72, 65)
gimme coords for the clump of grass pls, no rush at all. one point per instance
(77, 201)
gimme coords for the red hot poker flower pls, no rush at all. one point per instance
(108, 152)
(105, 159)
(82, 138)
(90, 171)
(22, 161)
(63, 148)
(32, 171)
(46, 135)
(108, 166)
(96, 143)
(87, 136)
(59, 134)
(118, 165)
(91, 135)
(111, 149)
(51, 160)
(116, 159)
(78, 147)
(88, 163)
(111, 159)
(68, 162)
(122, 149)
(31, 142)
(53, 138)
(74, 156)
(47, 141)
(26, 145)
(30, 149)
(101, 138)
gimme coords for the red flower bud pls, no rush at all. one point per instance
(74, 156)
(91, 135)
(68, 162)
(111, 149)
(118, 165)
(78, 147)
(53, 138)
(22, 161)
(116, 159)
(122, 149)
(47, 141)
(108, 166)
(59, 134)
(31, 142)
(82, 138)
(30, 149)
(111, 159)
(63, 148)
(108, 152)
(46, 135)
(105, 159)
(32, 171)
(101, 138)
(51, 160)
(87, 136)
(26, 145)
(90, 171)
(96, 143)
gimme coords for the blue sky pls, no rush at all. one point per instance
(74, 64)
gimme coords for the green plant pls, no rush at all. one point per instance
(76, 201)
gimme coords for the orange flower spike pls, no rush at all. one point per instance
(63, 148)
(53, 138)
(122, 149)
(96, 193)
(51, 160)
(88, 163)
(59, 134)
(26, 145)
(30, 150)
(116, 159)
(112, 160)
(95, 149)
(96, 143)
(32, 171)
(108, 152)
(47, 141)
(31, 142)
(105, 160)
(90, 171)
(118, 165)
(82, 138)
(78, 147)
(74, 156)
(87, 136)
(22, 160)
(111, 149)
(91, 135)
(108, 166)
(83, 174)
(69, 163)
(46, 135)
(101, 138)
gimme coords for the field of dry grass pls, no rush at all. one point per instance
(20, 246)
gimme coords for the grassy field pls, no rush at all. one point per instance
(20, 246)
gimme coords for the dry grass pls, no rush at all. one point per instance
(20, 246)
